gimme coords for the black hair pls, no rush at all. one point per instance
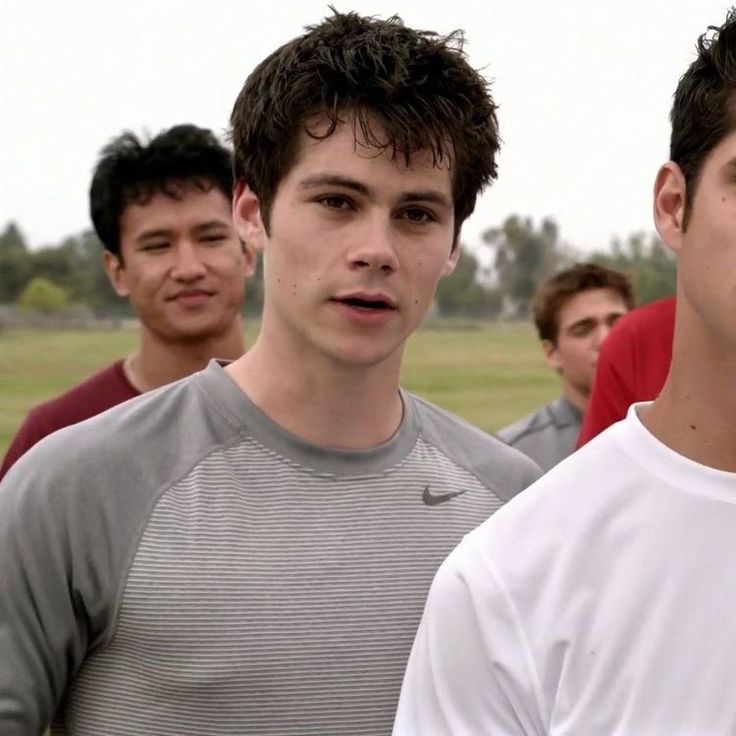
(130, 171)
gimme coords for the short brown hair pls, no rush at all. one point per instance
(553, 293)
(417, 85)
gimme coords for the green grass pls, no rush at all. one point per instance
(488, 374)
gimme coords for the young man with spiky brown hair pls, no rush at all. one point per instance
(574, 311)
(600, 601)
(249, 550)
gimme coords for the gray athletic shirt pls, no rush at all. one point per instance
(182, 565)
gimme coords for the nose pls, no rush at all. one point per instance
(188, 264)
(601, 333)
(375, 248)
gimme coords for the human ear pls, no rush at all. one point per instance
(551, 354)
(669, 204)
(451, 262)
(115, 271)
(247, 217)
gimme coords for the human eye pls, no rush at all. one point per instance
(417, 215)
(155, 246)
(581, 329)
(338, 202)
(214, 238)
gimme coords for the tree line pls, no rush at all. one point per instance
(497, 281)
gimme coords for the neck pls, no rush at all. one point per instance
(157, 363)
(327, 404)
(576, 396)
(694, 414)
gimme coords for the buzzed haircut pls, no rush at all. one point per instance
(554, 292)
(404, 91)
(132, 171)
(704, 108)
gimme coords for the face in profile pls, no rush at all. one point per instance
(583, 323)
(356, 245)
(182, 265)
(706, 249)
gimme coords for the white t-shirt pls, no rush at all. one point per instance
(599, 602)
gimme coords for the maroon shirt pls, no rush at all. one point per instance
(95, 395)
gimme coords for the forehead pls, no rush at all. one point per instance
(591, 303)
(191, 206)
(348, 148)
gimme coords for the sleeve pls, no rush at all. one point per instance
(43, 623)
(30, 432)
(612, 391)
(470, 671)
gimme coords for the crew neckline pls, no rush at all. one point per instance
(676, 469)
(249, 420)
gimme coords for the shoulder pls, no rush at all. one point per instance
(541, 420)
(494, 463)
(569, 507)
(138, 444)
(97, 393)
(655, 318)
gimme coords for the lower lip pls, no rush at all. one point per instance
(364, 316)
(191, 301)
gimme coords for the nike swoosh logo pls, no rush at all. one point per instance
(432, 499)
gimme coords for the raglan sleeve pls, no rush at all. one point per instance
(44, 628)
(470, 671)
(29, 433)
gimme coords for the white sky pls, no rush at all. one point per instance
(584, 89)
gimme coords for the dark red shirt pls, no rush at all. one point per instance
(95, 395)
(632, 366)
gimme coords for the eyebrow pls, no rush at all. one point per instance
(320, 180)
(211, 225)
(588, 320)
(164, 233)
(151, 234)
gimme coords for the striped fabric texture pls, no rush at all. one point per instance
(257, 591)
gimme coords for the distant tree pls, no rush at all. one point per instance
(12, 240)
(523, 256)
(15, 265)
(463, 294)
(43, 297)
(651, 265)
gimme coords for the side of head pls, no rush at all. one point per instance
(405, 90)
(574, 311)
(132, 171)
(704, 107)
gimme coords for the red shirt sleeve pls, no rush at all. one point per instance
(632, 366)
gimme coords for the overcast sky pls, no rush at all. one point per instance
(584, 92)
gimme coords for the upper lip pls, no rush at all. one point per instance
(372, 297)
(189, 292)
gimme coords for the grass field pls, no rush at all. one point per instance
(488, 374)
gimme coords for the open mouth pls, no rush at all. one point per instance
(368, 304)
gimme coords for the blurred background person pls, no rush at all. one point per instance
(162, 210)
(574, 311)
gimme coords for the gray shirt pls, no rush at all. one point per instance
(182, 565)
(547, 435)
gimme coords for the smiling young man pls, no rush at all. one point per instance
(249, 550)
(163, 213)
(600, 600)
(574, 311)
